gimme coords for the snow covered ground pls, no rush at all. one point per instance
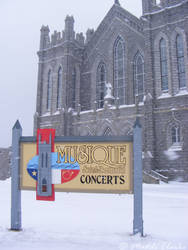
(97, 221)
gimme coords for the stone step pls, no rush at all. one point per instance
(159, 176)
(150, 179)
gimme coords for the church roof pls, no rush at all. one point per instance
(116, 11)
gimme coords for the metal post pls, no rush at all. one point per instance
(15, 179)
(137, 149)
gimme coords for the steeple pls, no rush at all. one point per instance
(117, 2)
(69, 28)
(44, 37)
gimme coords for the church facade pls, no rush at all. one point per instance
(145, 61)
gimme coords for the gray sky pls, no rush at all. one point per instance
(20, 23)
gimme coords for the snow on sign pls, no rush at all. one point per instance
(83, 165)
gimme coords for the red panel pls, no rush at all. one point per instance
(68, 175)
(45, 136)
(46, 198)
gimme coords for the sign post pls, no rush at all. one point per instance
(16, 223)
(137, 151)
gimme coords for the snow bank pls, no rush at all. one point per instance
(97, 221)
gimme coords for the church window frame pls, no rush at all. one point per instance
(180, 61)
(59, 87)
(49, 91)
(74, 75)
(100, 88)
(119, 70)
(175, 134)
(163, 65)
(138, 77)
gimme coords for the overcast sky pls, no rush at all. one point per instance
(20, 23)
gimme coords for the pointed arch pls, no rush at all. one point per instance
(179, 53)
(163, 65)
(100, 88)
(86, 131)
(127, 128)
(174, 133)
(59, 87)
(119, 70)
(107, 132)
(49, 90)
(138, 76)
(180, 61)
(104, 127)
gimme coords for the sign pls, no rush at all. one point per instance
(104, 167)
(75, 164)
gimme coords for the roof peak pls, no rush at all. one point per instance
(116, 2)
(17, 125)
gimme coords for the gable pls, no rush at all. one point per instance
(116, 12)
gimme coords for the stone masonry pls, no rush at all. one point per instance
(5, 161)
(69, 77)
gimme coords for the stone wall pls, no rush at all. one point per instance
(5, 161)
(159, 110)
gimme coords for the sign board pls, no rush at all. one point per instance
(46, 163)
(99, 167)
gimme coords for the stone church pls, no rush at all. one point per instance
(144, 60)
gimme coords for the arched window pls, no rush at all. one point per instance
(180, 61)
(175, 135)
(163, 65)
(74, 88)
(107, 132)
(44, 185)
(101, 80)
(49, 91)
(119, 70)
(59, 88)
(139, 77)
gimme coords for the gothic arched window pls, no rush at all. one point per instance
(107, 132)
(139, 77)
(180, 61)
(119, 70)
(175, 134)
(163, 65)
(49, 90)
(101, 80)
(74, 88)
(59, 88)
